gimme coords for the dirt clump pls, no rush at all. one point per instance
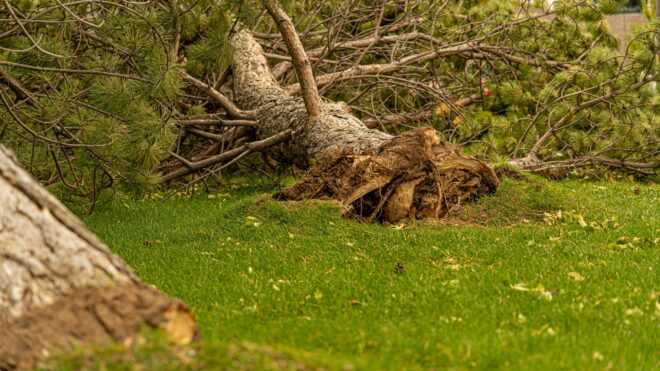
(415, 175)
(94, 315)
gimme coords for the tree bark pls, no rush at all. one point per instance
(300, 61)
(256, 89)
(376, 176)
(60, 285)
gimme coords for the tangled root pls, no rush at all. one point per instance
(415, 175)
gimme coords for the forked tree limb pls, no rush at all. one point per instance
(384, 68)
(229, 155)
(468, 50)
(255, 88)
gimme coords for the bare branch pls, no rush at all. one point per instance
(300, 61)
(256, 146)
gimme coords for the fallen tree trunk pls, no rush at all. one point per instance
(60, 286)
(376, 176)
(334, 129)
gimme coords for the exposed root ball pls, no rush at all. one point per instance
(415, 175)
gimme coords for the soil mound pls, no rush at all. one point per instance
(415, 175)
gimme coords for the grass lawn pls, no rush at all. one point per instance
(292, 285)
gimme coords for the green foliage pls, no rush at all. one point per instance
(549, 95)
(122, 116)
(527, 98)
(113, 128)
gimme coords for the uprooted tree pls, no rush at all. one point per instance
(375, 175)
(102, 96)
(60, 287)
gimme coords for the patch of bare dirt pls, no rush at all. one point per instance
(416, 175)
(94, 315)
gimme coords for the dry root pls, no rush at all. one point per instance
(415, 175)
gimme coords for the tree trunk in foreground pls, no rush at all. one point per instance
(376, 176)
(60, 286)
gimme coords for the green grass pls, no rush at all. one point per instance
(508, 291)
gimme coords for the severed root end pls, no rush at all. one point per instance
(415, 175)
(93, 316)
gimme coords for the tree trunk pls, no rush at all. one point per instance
(376, 176)
(335, 129)
(60, 285)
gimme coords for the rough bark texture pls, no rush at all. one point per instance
(301, 65)
(334, 130)
(59, 284)
(376, 176)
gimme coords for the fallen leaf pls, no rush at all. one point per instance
(634, 312)
(520, 287)
(442, 109)
(544, 294)
(179, 325)
(576, 276)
